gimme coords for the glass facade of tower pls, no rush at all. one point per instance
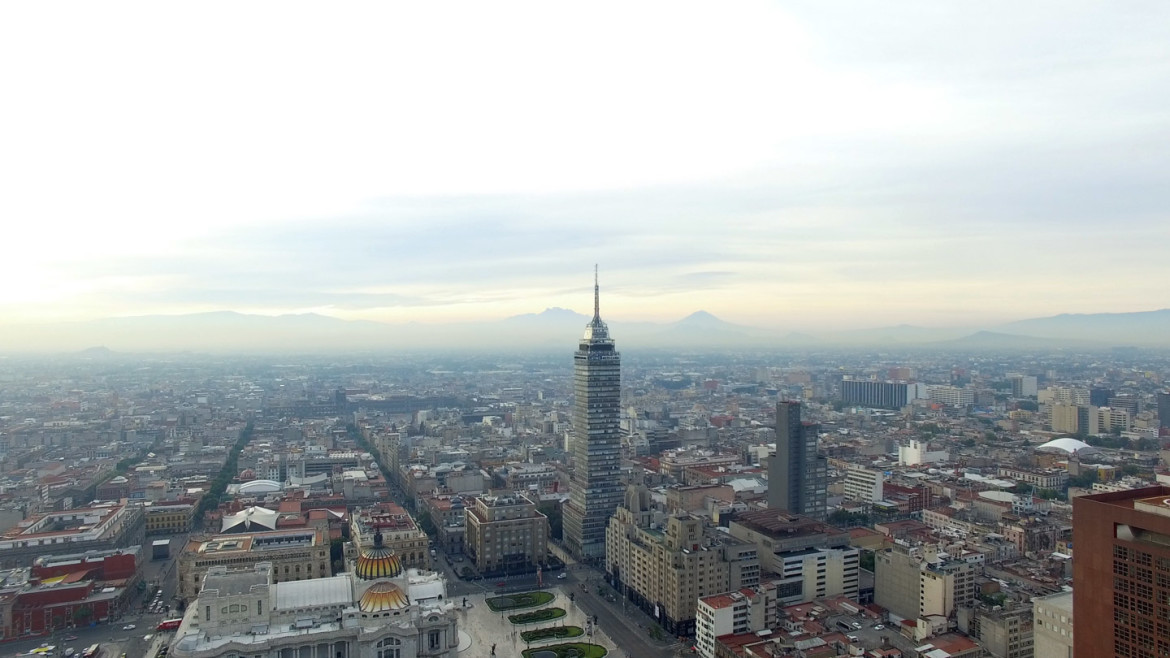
(797, 473)
(595, 488)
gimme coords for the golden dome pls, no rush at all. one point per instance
(382, 597)
(378, 562)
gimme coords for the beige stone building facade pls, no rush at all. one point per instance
(505, 534)
(1052, 625)
(914, 582)
(666, 570)
(294, 554)
(400, 533)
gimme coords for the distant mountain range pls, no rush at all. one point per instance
(556, 329)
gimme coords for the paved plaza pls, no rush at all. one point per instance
(485, 628)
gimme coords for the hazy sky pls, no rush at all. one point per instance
(795, 164)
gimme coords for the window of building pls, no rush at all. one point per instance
(389, 648)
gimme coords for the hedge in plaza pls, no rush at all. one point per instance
(544, 614)
(568, 650)
(552, 633)
(519, 601)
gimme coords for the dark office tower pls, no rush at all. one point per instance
(1125, 401)
(797, 475)
(1099, 397)
(595, 487)
(1121, 575)
(1164, 409)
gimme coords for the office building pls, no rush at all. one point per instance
(1003, 631)
(167, 519)
(595, 487)
(1121, 574)
(951, 396)
(1024, 386)
(913, 582)
(1164, 410)
(1126, 402)
(1113, 420)
(400, 533)
(748, 610)
(300, 554)
(879, 395)
(665, 570)
(863, 484)
(797, 474)
(1064, 395)
(1052, 626)
(1067, 418)
(916, 452)
(808, 559)
(1099, 397)
(506, 534)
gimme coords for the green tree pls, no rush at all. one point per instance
(337, 554)
(556, 519)
(867, 560)
(1084, 480)
(227, 473)
(426, 524)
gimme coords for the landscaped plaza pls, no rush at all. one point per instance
(559, 630)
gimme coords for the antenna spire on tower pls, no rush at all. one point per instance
(596, 296)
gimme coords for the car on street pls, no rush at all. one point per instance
(69, 638)
(856, 625)
(562, 576)
(878, 627)
(129, 627)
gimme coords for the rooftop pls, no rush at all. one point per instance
(334, 590)
(782, 523)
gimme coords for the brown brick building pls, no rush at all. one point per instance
(1121, 574)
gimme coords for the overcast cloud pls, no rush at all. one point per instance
(800, 165)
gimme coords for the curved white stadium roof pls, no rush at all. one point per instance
(249, 520)
(1066, 444)
(260, 486)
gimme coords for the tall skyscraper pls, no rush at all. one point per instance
(797, 474)
(1121, 574)
(595, 487)
(1164, 412)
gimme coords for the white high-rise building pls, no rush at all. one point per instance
(864, 484)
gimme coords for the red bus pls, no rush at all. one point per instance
(169, 625)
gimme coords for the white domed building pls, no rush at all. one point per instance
(1068, 446)
(376, 610)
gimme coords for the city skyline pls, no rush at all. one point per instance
(791, 166)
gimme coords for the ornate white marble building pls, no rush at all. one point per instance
(376, 610)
